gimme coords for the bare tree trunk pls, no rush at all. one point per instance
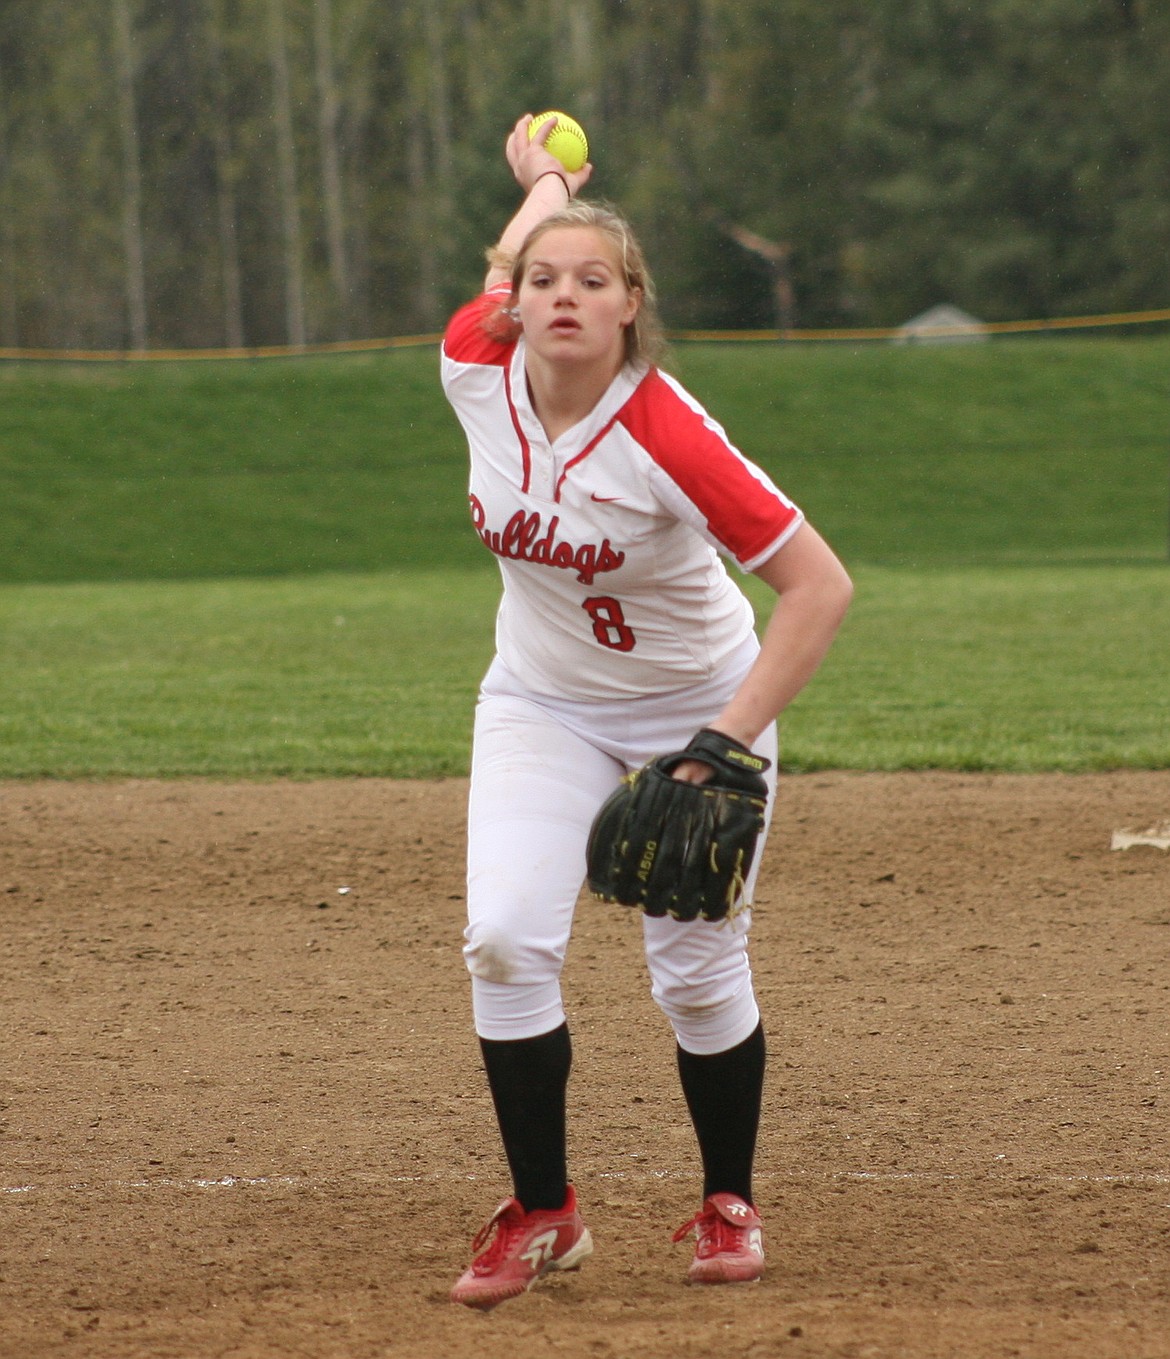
(131, 176)
(327, 112)
(578, 21)
(9, 329)
(429, 162)
(439, 100)
(777, 255)
(9, 324)
(356, 60)
(290, 212)
(421, 218)
(709, 88)
(225, 183)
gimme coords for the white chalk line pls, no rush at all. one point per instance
(223, 1182)
(648, 1173)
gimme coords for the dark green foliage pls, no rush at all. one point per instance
(1012, 157)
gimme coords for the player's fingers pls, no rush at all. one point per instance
(517, 139)
(692, 771)
(534, 159)
(544, 131)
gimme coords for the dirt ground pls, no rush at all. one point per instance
(241, 1112)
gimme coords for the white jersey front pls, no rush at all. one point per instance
(608, 539)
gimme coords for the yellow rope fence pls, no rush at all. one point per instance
(1056, 323)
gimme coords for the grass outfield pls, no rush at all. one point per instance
(971, 668)
(1019, 451)
(266, 568)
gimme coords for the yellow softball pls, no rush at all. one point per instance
(567, 141)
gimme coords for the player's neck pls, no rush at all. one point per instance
(562, 395)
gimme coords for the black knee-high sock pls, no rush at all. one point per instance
(528, 1079)
(723, 1092)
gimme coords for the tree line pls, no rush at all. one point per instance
(206, 173)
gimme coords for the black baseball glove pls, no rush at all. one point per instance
(681, 849)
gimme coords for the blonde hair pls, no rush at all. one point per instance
(644, 340)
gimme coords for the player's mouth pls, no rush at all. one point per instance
(565, 325)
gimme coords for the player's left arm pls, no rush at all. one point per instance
(813, 592)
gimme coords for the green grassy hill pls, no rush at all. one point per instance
(1022, 451)
(266, 568)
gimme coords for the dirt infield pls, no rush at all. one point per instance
(241, 1112)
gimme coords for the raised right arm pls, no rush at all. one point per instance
(547, 186)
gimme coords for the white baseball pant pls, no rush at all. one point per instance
(540, 770)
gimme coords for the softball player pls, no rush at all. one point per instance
(607, 494)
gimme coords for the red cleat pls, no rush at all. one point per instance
(525, 1246)
(729, 1246)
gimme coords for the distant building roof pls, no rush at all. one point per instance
(943, 324)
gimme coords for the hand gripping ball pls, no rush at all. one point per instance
(567, 141)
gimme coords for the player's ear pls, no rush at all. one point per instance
(633, 305)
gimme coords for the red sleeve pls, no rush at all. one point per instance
(470, 337)
(743, 509)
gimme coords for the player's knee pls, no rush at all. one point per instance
(704, 1020)
(491, 956)
(499, 956)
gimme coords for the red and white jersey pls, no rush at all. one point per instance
(608, 539)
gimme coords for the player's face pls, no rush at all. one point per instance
(574, 304)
